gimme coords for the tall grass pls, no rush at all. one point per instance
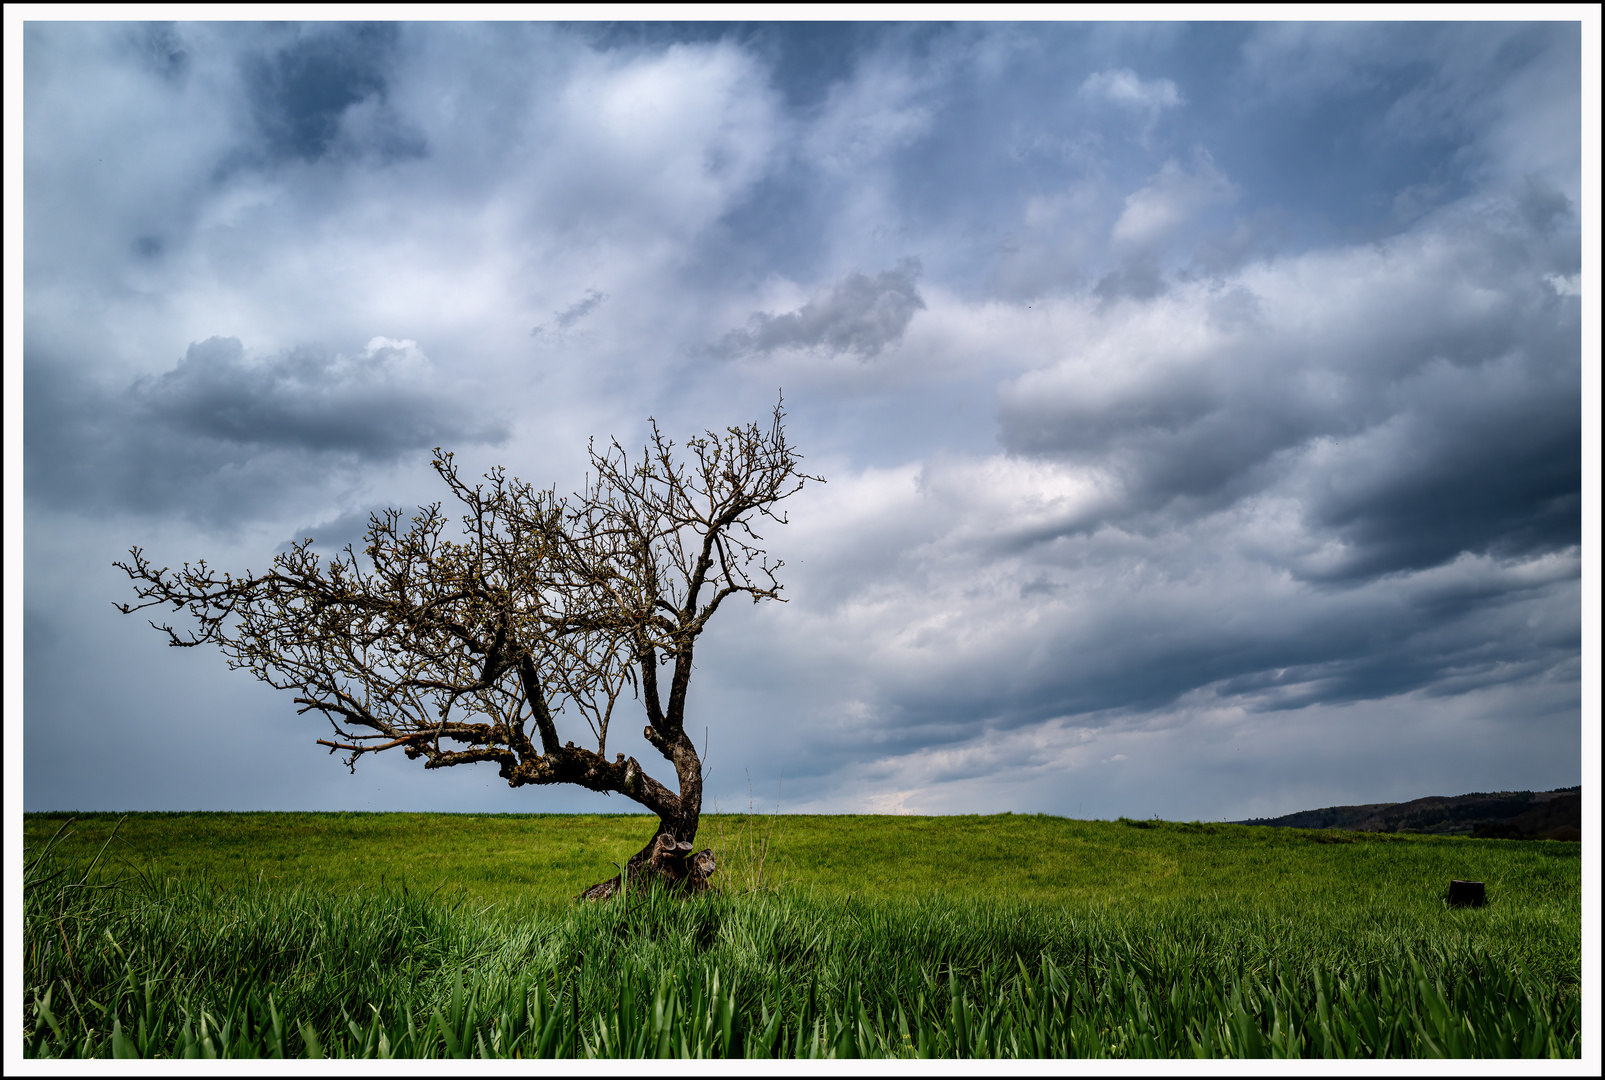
(162, 967)
(744, 845)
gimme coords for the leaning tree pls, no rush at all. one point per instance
(472, 643)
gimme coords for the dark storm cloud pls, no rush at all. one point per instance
(1471, 633)
(1477, 465)
(300, 90)
(1413, 423)
(303, 399)
(219, 437)
(1468, 632)
(1478, 630)
(336, 533)
(860, 315)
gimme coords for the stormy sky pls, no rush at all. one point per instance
(1201, 406)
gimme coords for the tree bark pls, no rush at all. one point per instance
(667, 857)
(666, 860)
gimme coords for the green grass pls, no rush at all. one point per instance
(548, 858)
(423, 935)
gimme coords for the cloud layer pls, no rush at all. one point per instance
(1200, 404)
(219, 437)
(859, 315)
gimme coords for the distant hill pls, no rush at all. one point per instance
(1554, 815)
(1560, 818)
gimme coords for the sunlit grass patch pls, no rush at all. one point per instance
(875, 936)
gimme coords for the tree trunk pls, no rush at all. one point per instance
(667, 857)
(665, 860)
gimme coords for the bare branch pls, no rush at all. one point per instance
(433, 634)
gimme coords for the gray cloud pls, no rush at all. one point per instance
(1152, 765)
(364, 404)
(334, 534)
(1482, 462)
(219, 436)
(563, 321)
(163, 49)
(1413, 423)
(579, 309)
(1138, 279)
(945, 645)
(860, 315)
(301, 90)
(1349, 478)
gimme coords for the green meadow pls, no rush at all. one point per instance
(375, 935)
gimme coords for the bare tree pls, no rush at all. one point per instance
(471, 645)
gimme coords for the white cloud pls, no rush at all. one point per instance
(1565, 286)
(662, 141)
(1123, 87)
(1170, 199)
(884, 107)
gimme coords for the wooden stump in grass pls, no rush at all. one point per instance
(1467, 894)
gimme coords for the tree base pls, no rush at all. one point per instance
(666, 861)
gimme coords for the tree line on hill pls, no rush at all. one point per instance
(1515, 815)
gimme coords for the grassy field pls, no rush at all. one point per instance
(423, 935)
